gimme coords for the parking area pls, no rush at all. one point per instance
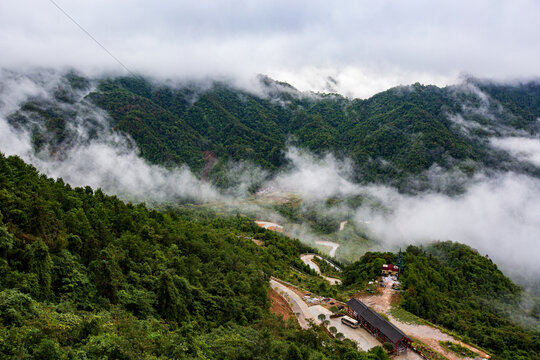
(364, 339)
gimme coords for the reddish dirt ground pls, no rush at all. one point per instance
(258, 242)
(279, 305)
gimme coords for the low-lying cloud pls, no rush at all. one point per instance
(496, 214)
(523, 148)
(105, 159)
(315, 178)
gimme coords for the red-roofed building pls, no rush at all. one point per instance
(390, 269)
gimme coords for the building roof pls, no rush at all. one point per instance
(390, 267)
(376, 320)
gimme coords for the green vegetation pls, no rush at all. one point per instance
(458, 349)
(405, 316)
(388, 346)
(326, 268)
(86, 276)
(359, 273)
(452, 285)
(315, 284)
(389, 137)
(427, 351)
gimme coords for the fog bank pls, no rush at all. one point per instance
(496, 213)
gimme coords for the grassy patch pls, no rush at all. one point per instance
(327, 269)
(405, 316)
(458, 349)
(384, 316)
(425, 350)
(314, 284)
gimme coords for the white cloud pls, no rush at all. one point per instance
(498, 216)
(315, 179)
(367, 46)
(525, 149)
(108, 161)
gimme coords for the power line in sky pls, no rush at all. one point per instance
(91, 37)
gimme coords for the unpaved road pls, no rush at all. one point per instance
(332, 245)
(308, 260)
(305, 314)
(298, 306)
(269, 225)
(425, 333)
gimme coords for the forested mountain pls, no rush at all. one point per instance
(395, 134)
(86, 276)
(452, 285)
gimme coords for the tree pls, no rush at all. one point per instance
(321, 317)
(47, 349)
(107, 275)
(6, 241)
(293, 353)
(170, 304)
(15, 307)
(340, 336)
(378, 353)
(333, 330)
(41, 264)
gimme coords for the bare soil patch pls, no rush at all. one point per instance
(279, 305)
(258, 242)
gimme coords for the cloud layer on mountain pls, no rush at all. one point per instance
(354, 47)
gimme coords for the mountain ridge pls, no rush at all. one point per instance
(392, 135)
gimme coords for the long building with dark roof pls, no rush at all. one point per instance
(382, 329)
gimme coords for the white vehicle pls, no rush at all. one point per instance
(349, 321)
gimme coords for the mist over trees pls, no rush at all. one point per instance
(77, 256)
(91, 276)
(389, 137)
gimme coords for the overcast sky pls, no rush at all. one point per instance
(367, 46)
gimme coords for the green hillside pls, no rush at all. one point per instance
(389, 137)
(86, 276)
(452, 285)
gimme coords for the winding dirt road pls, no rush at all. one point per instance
(332, 245)
(308, 260)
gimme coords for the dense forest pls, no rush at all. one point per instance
(389, 137)
(84, 275)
